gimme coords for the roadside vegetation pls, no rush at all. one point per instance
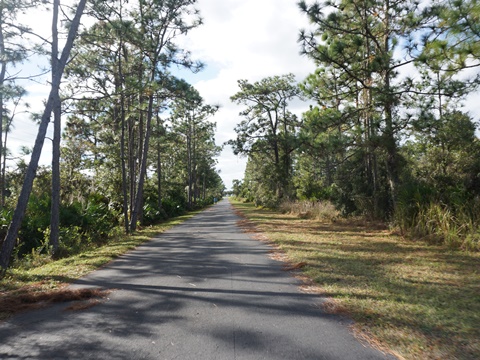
(417, 300)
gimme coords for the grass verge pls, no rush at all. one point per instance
(417, 300)
(39, 284)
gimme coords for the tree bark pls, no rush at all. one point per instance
(4, 166)
(123, 162)
(194, 160)
(390, 143)
(159, 166)
(143, 167)
(131, 157)
(3, 71)
(189, 165)
(57, 114)
(120, 88)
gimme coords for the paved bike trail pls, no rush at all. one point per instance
(202, 290)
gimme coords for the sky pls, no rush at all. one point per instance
(239, 39)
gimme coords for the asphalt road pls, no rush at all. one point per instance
(202, 290)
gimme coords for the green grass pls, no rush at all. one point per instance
(417, 300)
(43, 274)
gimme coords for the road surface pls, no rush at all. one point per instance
(202, 290)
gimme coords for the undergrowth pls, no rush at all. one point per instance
(320, 210)
(436, 223)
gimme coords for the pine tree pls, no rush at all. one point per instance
(269, 126)
(359, 42)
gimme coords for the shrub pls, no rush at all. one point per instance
(152, 214)
(5, 219)
(173, 208)
(71, 240)
(202, 203)
(319, 210)
(437, 223)
(98, 219)
(36, 220)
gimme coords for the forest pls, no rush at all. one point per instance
(387, 136)
(136, 145)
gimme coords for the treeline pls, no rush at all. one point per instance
(138, 145)
(388, 137)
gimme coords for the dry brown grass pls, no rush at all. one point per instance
(292, 267)
(35, 297)
(417, 300)
(319, 210)
(83, 305)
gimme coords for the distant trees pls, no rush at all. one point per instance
(269, 129)
(130, 87)
(189, 121)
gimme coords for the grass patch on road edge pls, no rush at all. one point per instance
(418, 301)
(25, 285)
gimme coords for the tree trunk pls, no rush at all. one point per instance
(189, 166)
(389, 136)
(122, 105)
(159, 167)
(204, 190)
(57, 113)
(56, 183)
(143, 167)
(3, 71)
(4, 166)
(194, 161)
(138, 208)
(122, 51)
(12, 233)
(131, 158)
(123, 164)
